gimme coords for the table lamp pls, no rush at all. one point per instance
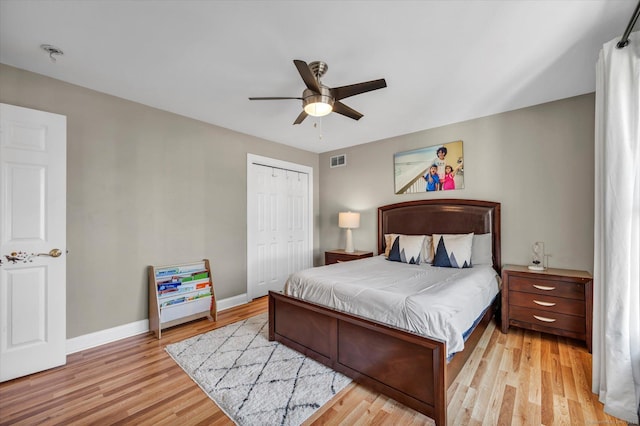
(349, 221)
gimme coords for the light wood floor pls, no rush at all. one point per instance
(523, 378)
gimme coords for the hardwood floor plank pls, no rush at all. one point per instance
(514, 354)
(375, 414)
(506, 409)
(548, 408)
(456, 402)
(461, 415)
(592, 407)
(495, 402)
(556, 375)
(535, 370)
(521, 382)
(534, 416)
(521, 378)
(357, 411)
(560, 411)
(487, 375)
(169, 414)
(575, 412)
(326, 412)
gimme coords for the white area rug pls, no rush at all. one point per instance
(255, 381)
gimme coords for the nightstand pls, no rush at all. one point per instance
(335, 256)
(556, 301)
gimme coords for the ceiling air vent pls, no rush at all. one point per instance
(338, 161)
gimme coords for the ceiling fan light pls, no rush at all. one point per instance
(318, 109)
(317, 104)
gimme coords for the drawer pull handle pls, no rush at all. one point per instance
(537, 302)
(543, 287)
(544, 319)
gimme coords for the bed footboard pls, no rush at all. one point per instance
(408, 368)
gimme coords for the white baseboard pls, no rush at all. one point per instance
(109, 335)
(91, 340)
(230, 302)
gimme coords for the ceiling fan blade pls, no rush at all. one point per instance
(301, 117)
(307, 76)
(341, 108)
(355, 89)
(271, 98)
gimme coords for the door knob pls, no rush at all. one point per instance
(53, 253)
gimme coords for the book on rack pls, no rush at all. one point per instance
(176, 283)
(182, 278)
(180, 270)
(183, 299)
(176, 288)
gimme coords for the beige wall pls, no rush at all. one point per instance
(537, 162)
(144, 187)
(150, 187)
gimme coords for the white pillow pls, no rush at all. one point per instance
(406, 249)
(452, 250)
(481, 252)
(427, 247)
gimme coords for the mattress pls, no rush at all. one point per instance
(439, 303)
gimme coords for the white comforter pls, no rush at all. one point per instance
(439, 303)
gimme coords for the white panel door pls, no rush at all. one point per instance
(297, 227)
(32, 224)
(268, 240)
(278, 223)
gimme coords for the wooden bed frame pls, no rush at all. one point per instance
(409, 368)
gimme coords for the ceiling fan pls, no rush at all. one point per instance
(319, 100)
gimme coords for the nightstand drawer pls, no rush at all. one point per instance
(547, 319)
(545, 302)
(547, 287)
(337, 256)
(330, 258)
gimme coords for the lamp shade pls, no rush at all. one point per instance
(349, 220)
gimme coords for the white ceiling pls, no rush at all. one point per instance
(444, 61)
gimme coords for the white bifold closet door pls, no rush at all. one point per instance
(278, 226)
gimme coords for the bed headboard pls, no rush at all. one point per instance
(449, 216)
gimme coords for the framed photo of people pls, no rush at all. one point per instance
(430, 169)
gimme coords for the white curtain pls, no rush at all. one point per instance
(616, 295)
